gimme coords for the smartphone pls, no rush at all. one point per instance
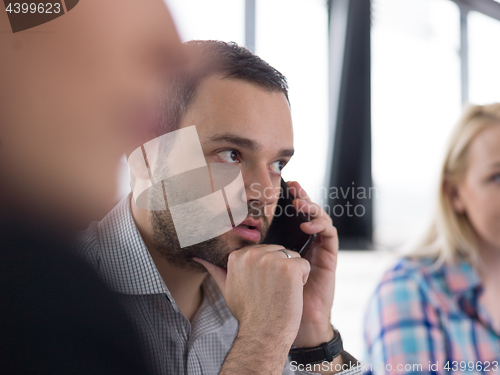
(285, 227)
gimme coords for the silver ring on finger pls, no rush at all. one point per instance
(286, 252)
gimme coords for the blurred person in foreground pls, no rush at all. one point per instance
(438, 310)
(75, 93)
(269, 299)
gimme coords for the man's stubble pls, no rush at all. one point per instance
(215, 250)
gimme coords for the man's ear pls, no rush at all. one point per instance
(452, 191)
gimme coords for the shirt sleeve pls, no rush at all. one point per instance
(402, 329)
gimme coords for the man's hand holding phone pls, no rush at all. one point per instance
(315, 327)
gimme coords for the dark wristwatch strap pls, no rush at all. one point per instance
(324, 352)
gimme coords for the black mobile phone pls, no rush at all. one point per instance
(285, 227)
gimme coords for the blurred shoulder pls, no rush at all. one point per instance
(418, 269)
(416, 279)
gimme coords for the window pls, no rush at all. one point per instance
(415, 102)
(214, 19)
(292, 36)
(484, 59)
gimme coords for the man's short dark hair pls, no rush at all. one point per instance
(217, 58)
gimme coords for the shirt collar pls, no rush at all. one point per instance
(125, 263)
(127, 266)
(461, 278)
(214, 297)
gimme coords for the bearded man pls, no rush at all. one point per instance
(258, 303)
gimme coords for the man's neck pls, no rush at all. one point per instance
(184, 285)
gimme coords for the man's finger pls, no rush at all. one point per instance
(217, 273)
(329, 236)
(297, 191)
(305, 267)
(311, 209)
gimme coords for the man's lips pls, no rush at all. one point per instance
(250, 229)
(252, 223)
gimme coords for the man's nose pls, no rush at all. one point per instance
(262, 186)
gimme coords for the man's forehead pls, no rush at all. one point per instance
(234, 96)
(241, 111)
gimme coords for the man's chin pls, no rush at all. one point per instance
(200, 268)
(228, 242)
(197, 267)
(236, 241)
(215, 251)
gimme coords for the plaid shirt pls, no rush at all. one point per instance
(427, 316)
(173, 344)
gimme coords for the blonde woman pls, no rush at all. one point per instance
(438, 310)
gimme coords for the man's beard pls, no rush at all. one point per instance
(215, 250)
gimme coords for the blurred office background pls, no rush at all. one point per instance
(375, 87)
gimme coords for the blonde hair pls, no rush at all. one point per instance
(451, 235)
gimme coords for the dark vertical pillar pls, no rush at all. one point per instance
(351, 178)
(250, 10)
(464, 52)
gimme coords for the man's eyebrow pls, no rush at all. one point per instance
(246, 143)
(286, 153)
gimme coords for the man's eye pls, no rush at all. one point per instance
(229, 156)
(277, 166)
